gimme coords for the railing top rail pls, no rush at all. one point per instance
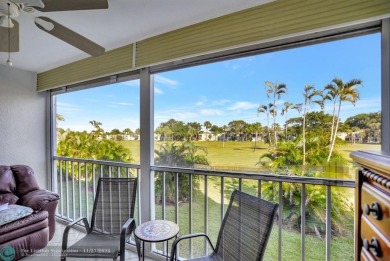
(259, 176)
(229, 174)
(100, 162)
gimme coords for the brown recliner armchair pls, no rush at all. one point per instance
(18, 186)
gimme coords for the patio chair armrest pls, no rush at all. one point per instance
(69, 226)
(177, 240)
(130, 223)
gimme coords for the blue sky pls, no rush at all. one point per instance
(233, 89)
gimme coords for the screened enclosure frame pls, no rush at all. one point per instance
(145, 75)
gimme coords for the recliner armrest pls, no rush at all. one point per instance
(38, 199)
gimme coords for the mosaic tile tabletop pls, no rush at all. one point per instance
(156, 230)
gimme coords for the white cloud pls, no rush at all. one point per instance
(75, 127)
(108, 124)
(372, 103)
(220, 102)
(124, 103)
(158, 90)
(242, 106)
(369, 105)
(210, 112)
(202, 102)
(239, 63)
(121, 124)
(179, 115)
(63, 107)
(166, 81)
(205, 102)
(91, 100)
(133, 83)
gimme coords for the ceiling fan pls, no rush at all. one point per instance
(9, 28)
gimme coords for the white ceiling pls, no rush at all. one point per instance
(124, 22)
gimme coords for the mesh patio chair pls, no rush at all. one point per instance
(244, 231)
(112, 222)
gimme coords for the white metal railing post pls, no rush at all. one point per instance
(206, 213)
(328, 221)
(303, 221)
(280, 220)
(60, 190)
(190, 216)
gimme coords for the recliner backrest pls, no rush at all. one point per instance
(25, 179)
(7, 186)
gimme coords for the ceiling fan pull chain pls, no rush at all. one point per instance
(9, 36)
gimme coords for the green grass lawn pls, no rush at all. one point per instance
(241, 155)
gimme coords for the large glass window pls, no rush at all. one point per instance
(312, 101)
(294, 112)
(100, 123)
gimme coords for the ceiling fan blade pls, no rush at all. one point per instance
(34, 3)
(69, 5)
(4, 40)
(65, 34)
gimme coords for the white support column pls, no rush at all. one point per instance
(385, 85)
(146, 145)
(51, 141)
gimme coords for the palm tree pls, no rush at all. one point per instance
(98, 131)
(216, 131)
(287, 106)
(309, 93)
(256, 127)
(167, 132)
(187, 155)
(192, 132)
(207, 125)
(127, 131)
(195, 129)
(286, 159)
(276, 90)
(224, 129)
(297, 107)
(266, 109)
(60, 117)
(344, 92)
(331, 95)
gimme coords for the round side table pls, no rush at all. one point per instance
(156, 231)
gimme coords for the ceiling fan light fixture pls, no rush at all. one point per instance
(47, 26)
(5, 23)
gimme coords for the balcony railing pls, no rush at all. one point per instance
(76, 181)
(196, 199)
